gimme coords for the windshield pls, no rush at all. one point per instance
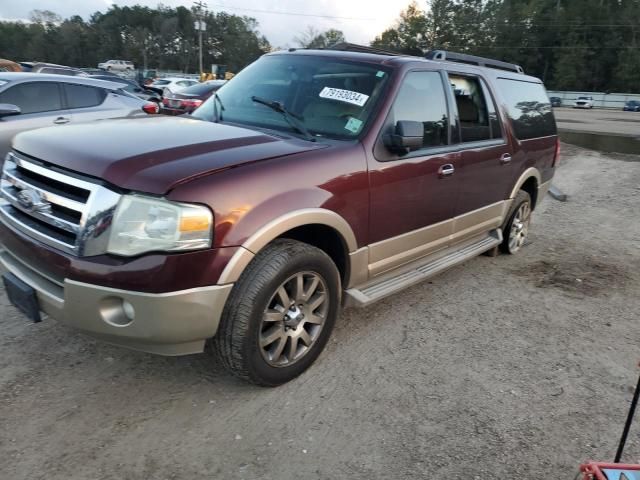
(331, 98)
(584, 98)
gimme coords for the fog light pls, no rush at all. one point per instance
(116, 311)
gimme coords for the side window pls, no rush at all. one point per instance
(422, 99)
(33, 97)
(472, 108)
(529, 108)
(82, 96)
(494, 121)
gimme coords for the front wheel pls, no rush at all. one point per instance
(516, 228)
(280, 313)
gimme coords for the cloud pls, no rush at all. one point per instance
(366, 18)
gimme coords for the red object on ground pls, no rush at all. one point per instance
(595, 470)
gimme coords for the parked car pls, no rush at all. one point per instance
(169, 85)
(54, 69)
(190, 98)
(314, 178)
(555, 101)
(132, 87)
(583, 102)
(9, 66)
(632, 106)
(30, 100)
(98, 71)
(120, 65)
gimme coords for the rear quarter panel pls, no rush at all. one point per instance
(531, 153)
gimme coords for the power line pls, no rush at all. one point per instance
(369, 19)
(297, 14)
(569, 47)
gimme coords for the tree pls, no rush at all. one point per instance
(312, 38)
(161, 37)
(409, 34)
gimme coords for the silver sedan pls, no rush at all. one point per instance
(34, 100)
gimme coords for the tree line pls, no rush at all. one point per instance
(571, 44)
(589, 45)
(162, 38)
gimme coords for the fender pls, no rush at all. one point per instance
(277, 227)
(526, 175)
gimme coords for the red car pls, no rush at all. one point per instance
(190, 98)
(314, 179)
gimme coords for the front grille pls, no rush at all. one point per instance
(61, 210)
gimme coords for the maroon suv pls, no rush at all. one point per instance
(313, 179)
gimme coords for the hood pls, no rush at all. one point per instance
(153, 154)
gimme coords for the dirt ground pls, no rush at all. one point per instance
(503, 368)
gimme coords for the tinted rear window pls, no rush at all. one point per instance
(200, 89)
(529, 108)
(81, 96)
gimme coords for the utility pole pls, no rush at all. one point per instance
(200, 8)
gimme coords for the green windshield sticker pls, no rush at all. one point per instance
(380, 73)
(353, 125)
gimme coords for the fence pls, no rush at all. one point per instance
(600, 99)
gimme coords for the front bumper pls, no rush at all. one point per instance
(173, 323)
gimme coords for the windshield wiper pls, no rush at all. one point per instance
(217, 115)
(291, 118)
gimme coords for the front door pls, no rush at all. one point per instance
(40, 106)
(413, 196)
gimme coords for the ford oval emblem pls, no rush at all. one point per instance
(32, 201)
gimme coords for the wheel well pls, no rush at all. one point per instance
(326, 239)
(531, 187)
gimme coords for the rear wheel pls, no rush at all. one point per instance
(516, 228)
(280, 313)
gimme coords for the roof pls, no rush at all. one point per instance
(346, 55)
(47, 77)
(397, 60)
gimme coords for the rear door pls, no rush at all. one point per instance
(88, 103)
(41, 105)
(486, 173)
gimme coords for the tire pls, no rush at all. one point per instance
(108, 69)
(244, 342)
(516, 227)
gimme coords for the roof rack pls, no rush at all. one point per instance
(353, 47)
(473, 60)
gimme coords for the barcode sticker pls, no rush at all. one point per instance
(347, 96)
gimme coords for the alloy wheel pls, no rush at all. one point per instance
(519, 227)
(293, 319)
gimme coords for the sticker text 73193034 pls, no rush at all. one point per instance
(344, 96)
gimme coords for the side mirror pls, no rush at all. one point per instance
(408, 136)
(7, 109)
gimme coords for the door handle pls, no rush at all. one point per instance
(505, 158)
(61, 120)
(446, 170)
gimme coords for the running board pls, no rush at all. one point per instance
(379, 288)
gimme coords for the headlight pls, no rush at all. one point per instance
(144, 224)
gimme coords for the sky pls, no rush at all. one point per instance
(361, 20)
